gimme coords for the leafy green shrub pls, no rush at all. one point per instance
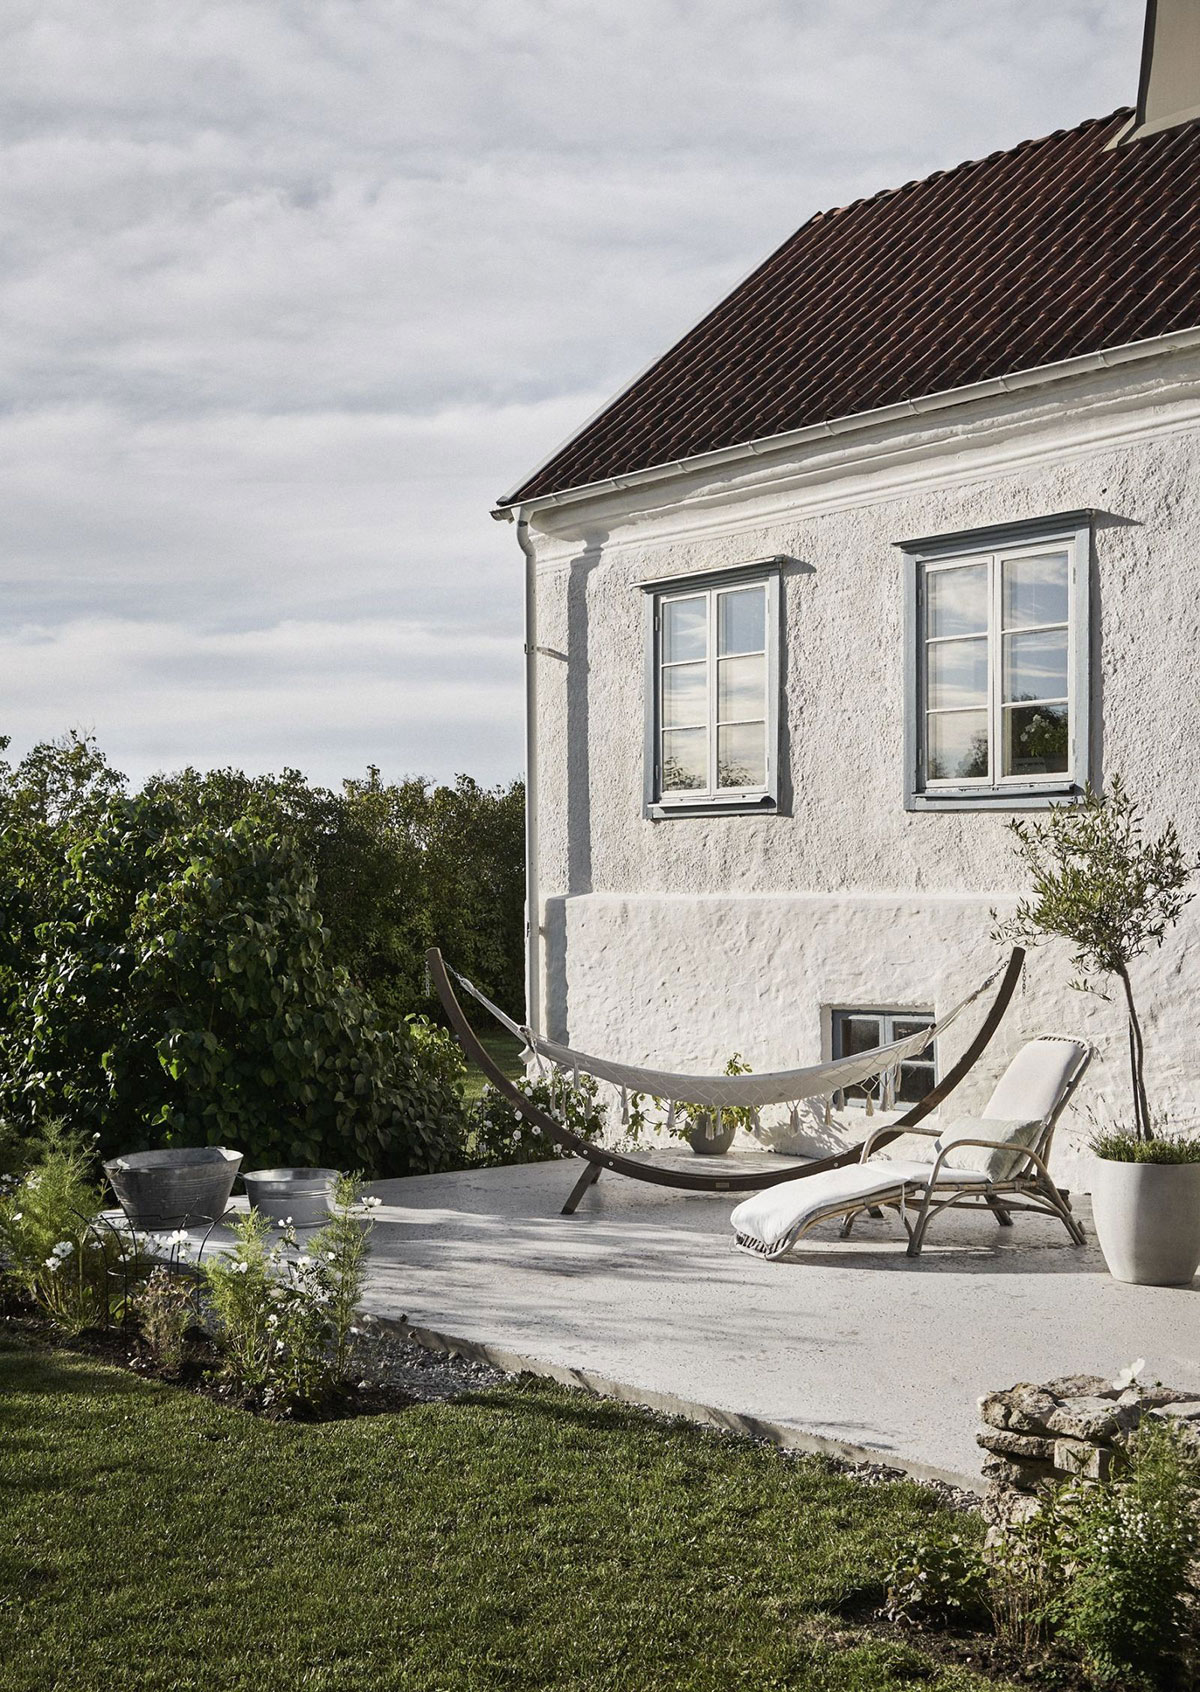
(397, 867)
(497, 1133)
(938, 1577)
(168, 980)
(285, 1315)
(1129, 1548)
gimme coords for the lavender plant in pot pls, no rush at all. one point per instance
(1112, 893)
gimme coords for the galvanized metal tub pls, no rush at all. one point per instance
(301, 1196)
(173, 1188)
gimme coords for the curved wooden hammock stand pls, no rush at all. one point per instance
(599, 1158)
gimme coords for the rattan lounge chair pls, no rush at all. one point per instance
(995, 1162)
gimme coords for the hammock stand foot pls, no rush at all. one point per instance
(588, 1179)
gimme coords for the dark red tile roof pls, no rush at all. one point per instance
(1051, 250)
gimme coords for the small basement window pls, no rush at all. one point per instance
(855, 1031)
(712, 717)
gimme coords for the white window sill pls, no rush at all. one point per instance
(1017, 796)
(732, 805)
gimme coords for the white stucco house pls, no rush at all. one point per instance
(901, 540)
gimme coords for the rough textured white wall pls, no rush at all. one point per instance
(679, 940)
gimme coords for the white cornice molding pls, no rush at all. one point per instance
(858, 474)
(1020, 381)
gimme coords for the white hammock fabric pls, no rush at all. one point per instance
(738, 1092)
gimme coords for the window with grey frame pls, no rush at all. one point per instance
(855, 1031)
(712, 682)
(998, 633)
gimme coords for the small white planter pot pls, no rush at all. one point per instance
(1147, 1218)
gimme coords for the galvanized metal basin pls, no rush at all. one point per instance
(302, 1196)
(173, 1188)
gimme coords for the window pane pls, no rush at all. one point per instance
(684, 629)
(1034, 590)
(903, 1028)
(1035, 665)
(916, 1079)
(741, 755)
(958, 673)
(1035, 739)
(858, 1034)
(742, 620)
(685, 695)
(958, 745)
(685, 759)
(740, 685)
(957, 601)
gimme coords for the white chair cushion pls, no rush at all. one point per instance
(1035, 1080)
(995, 1165)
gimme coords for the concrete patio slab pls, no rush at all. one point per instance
(849, 1346)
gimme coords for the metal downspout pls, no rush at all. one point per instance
(533, 916)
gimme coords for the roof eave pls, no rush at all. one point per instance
(1036, 376)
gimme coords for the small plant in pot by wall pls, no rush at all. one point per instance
(708, 1132)
(1112, 893)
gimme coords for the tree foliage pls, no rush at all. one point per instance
(229, 959)
(1107, 889)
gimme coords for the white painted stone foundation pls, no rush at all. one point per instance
(679, 941)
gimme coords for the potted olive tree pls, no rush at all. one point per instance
(1112, 893)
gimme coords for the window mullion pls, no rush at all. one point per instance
(1075, 711)
(995, 672)
(712, 692)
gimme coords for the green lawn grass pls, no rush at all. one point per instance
(529, 1538)
(504, 1051)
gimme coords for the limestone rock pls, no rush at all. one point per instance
(1082, 1386)
(993, 1409)
(1002, 1508)
(1010, 1444)
(1030, 1408)
(1185, 1417)
(1077, 1457)
(1151, 1397)
(1092, 1418)
(1025, 1474)
(1187, 1409)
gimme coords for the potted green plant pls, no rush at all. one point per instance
(1112, 893)
(709, 1133)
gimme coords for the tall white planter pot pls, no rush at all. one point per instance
(1147, 1218)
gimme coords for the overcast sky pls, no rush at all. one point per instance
(292, 290)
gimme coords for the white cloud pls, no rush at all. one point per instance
(294, 288)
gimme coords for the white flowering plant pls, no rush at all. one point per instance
(497, 1133)
(1102, 1573)
(285, 1311)
(55, 1247)
(1131, 1549)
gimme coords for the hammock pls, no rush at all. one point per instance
(697, 1179)
(737, 1092)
